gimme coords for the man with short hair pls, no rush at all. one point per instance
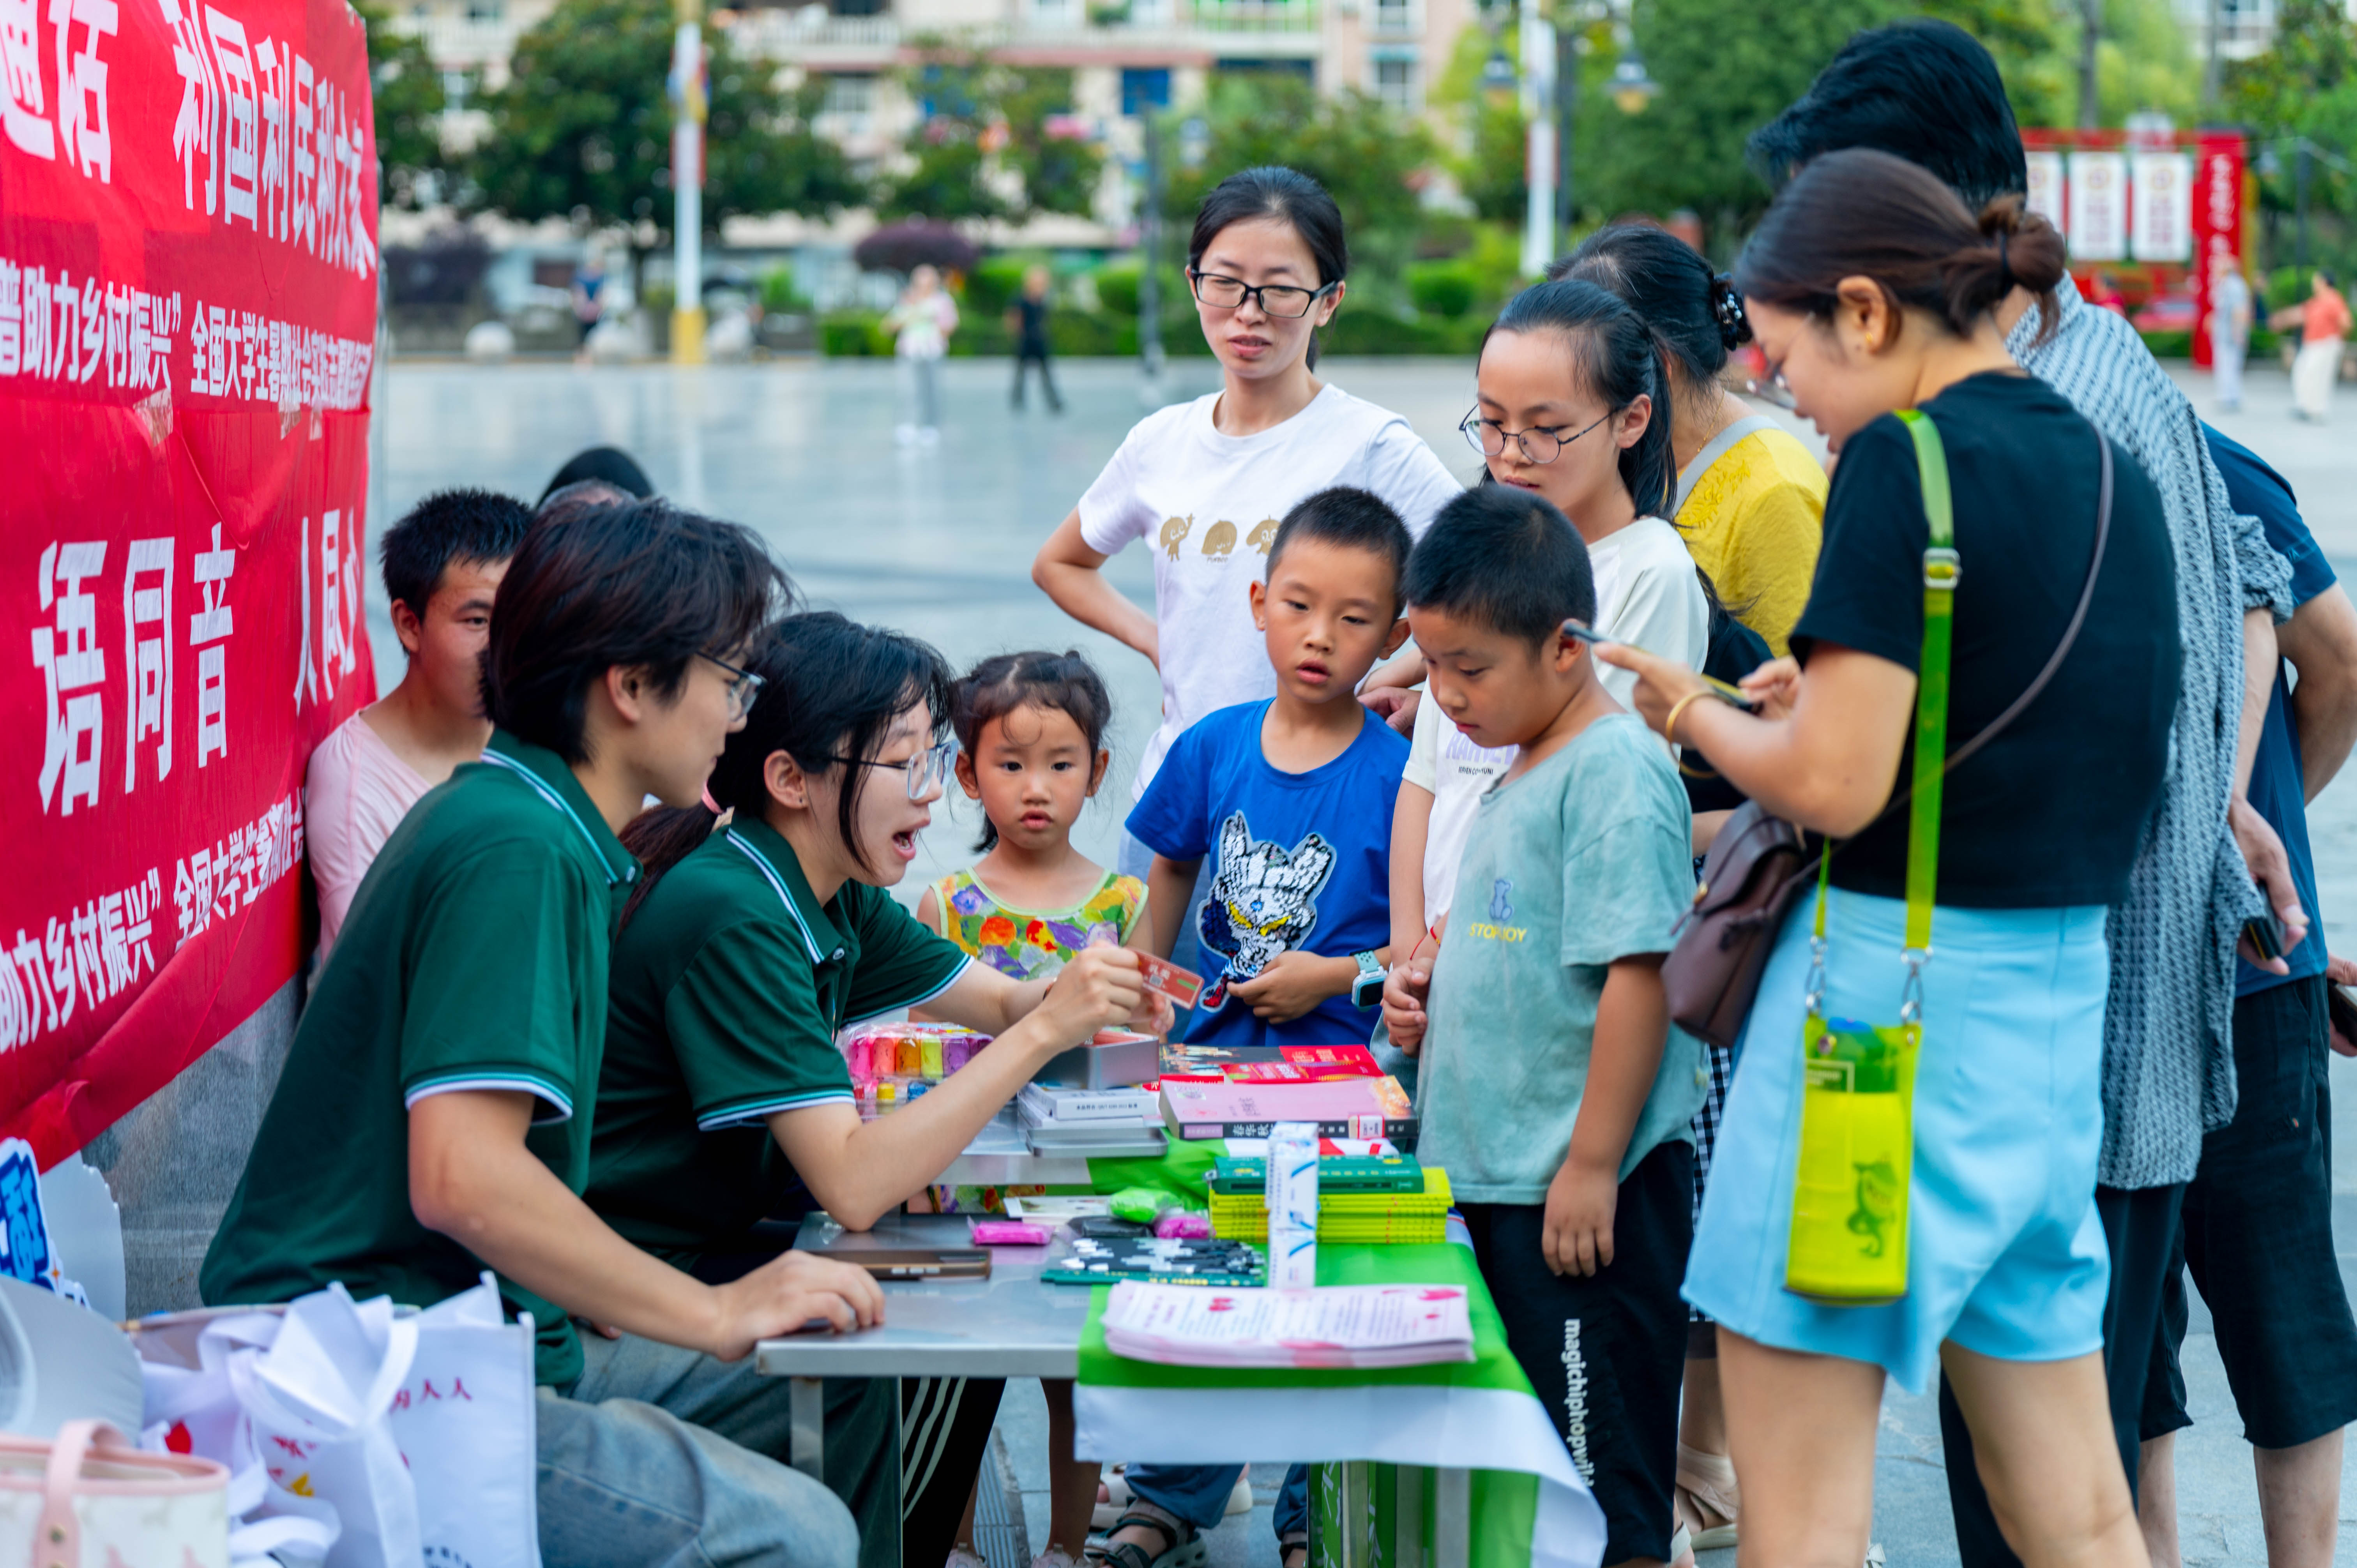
(443, 563)
(1928, 92)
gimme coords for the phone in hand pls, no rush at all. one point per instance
(1733, 696)
(2266, 936)
(2342, 1009)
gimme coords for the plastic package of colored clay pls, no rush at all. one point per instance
(1140, 1205)
(1184, 1225)
(1010, 1233)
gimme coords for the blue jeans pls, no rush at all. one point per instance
(1199, 1493)
(656, 1459)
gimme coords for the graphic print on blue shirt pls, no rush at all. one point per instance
(1298, 863)
(1263, 901)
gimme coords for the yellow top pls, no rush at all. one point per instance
(1753, 522)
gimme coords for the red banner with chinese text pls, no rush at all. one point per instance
(187, 318)
(2217, 227)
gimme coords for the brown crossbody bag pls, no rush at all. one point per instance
(1759, 863)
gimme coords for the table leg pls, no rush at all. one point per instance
(1452, 1518)
(806, 1447)
(898, 1475)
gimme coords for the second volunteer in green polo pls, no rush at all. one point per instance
(750, 947)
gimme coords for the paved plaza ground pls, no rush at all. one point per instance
(938, 542)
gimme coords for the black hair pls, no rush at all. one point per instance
(1615, 355)
(1696, 314)
(1505, 559)
(448, 525)
(830, 687)
(1354, 518)
(610, 464)
(1274, 192)
(1861, 213)
(644, 585)
(1064, 683)
(1923, 90)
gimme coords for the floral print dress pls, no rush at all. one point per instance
(1033, 944)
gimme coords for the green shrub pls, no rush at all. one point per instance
(995, 282)
(2169, 345)
(1442, 288)
(779, 294)
(849, 334)
(1117, 287)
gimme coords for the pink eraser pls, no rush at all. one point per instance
(1010, 1233)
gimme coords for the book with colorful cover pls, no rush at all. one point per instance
(1270, 1064)
(1351, 1107)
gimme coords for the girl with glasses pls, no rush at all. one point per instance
(1203, 483)
(722, 1097)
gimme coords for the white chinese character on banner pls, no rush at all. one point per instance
(206, 628)
(197, 131)
(92, 313)
(192, 893)
(139, 902)
(331, 601)
(304, 181)
(147, 656)
(41, 1003)
(20, 1014)
(89, 963)
(82, 124)
(70, 663)
(35, 315)
(270, 70)
(24, 112)
(59, 943)
(306, 676)
(12, 319)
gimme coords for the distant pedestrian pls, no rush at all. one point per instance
(1027, 319)
(922, 323)
(588, 299)
(2323, 320)
(2230, 336)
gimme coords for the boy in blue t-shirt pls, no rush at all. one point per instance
(1557, 1095)
(1292, 798)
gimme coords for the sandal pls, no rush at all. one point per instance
(1709, 1501)
(1118, 1497)
(1185, 1548)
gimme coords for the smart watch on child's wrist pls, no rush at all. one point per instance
(1367, 991)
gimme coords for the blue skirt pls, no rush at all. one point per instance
(2006, 1252)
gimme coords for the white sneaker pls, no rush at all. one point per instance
(1241, 1500)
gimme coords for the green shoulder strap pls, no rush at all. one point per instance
(1941, 569)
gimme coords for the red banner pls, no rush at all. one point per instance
(187, 318)
(2217, 226)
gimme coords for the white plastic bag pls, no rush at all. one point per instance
(364, 1434)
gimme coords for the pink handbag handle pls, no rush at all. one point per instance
(56, 1538)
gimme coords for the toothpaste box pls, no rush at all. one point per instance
(1292, 1258)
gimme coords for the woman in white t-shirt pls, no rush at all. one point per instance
(1203, 483)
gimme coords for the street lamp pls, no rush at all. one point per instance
(1538, 47)
(1498, 75)
(1631, 86)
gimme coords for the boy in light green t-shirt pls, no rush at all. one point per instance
(1558, 1095)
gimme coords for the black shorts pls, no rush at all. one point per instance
(1606, 1354)
(2257, 1235)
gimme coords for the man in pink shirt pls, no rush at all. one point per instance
(443, 563)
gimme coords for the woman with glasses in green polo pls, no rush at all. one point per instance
(723, 1096)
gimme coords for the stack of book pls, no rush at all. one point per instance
(1331, 1325)
(1359, 1201)
(1095, 1124)
(1243, 1101)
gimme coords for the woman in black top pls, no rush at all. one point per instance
(1870, 288)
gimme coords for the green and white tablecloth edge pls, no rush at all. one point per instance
(1477, 1415)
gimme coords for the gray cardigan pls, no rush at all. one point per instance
(2168, 1061)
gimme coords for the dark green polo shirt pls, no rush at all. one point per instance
(473, 958)
(730, 985)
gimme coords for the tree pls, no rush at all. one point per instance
(409, 104)
(1368, 156)
(2303, 86)
(996, 141)
(582, 130)
(1726, 67)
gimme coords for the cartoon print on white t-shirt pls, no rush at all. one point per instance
(1263, 535)
(1263, 901)
(1174, 533)
(1220, 542)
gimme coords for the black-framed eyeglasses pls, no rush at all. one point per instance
(922, 772)
(1539, 444)
(1774, 389)
(1281, 299)
(743, 686)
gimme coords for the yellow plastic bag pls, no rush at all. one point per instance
(1848, 1240)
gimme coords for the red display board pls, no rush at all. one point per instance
(187, 319)
(2217, 226)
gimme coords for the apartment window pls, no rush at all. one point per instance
(1394, 17)
(1395, 84)
(848, 93)
(1144, 87)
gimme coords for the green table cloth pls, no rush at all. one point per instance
(1455, 1463)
